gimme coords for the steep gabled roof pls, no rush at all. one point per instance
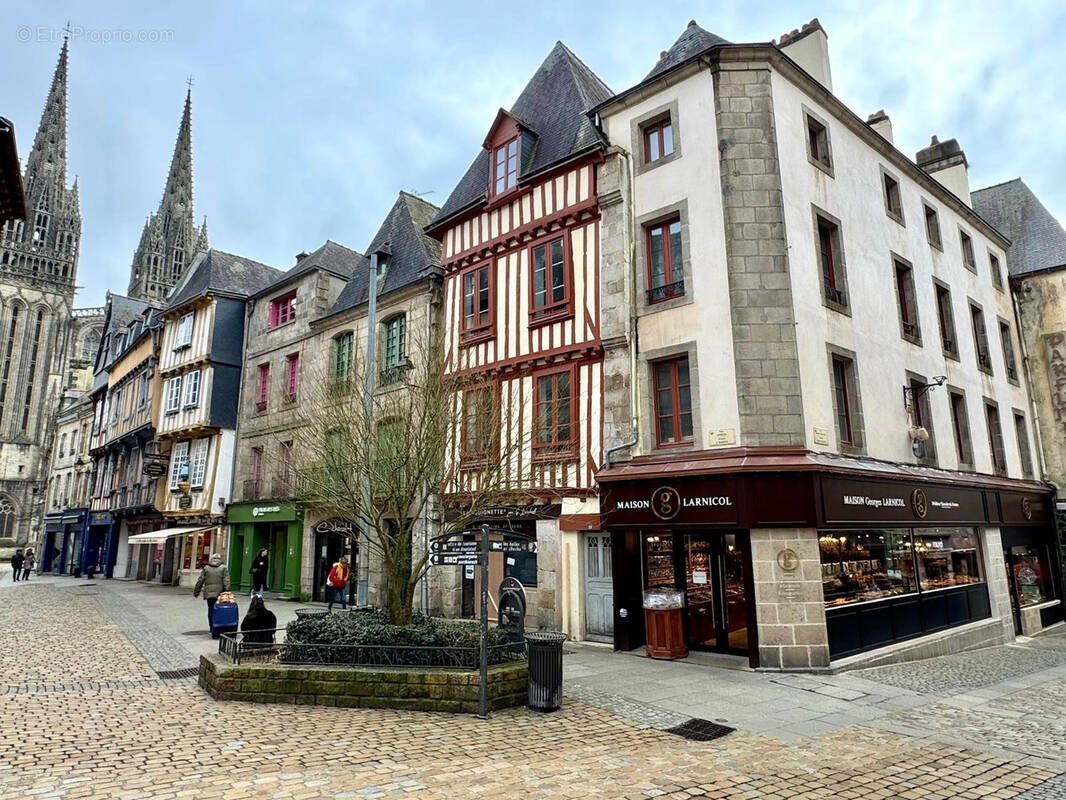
(693, 41)
(119, 312)
(1038, 241)
(412, 252)
(553, 107)
(331, 257)
(225, 273)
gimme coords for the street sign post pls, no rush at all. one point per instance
(454, 559)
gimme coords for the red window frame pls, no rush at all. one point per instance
(282, 309)
(504, 166)
(656, 135)
(668, 290)
(556, 446)
(845, 432)
(263, 387)
(292, 374)
(477, 330)
(550, 309)
(674, 387)
(472, 404)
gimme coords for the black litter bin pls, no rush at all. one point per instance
(311, 613)
(545, 651)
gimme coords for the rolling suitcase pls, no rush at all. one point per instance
(224, 617)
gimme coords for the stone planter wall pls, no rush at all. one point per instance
(414, 688)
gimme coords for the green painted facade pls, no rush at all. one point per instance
(279, 528)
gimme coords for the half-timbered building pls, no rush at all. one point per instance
(519, 247)
(200, 360)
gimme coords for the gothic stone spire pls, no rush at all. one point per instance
(170, 238)
(48, 157)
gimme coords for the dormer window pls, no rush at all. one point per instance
(282, 309)
(505, 166)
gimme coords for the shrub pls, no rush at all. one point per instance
(371, 640)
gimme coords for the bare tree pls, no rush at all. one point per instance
(387, 467)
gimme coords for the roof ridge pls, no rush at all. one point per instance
(576, 60)
(1001, 183)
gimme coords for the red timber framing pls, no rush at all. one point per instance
(525, 339)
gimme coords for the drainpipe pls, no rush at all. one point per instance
(634, 375)
(431, 310)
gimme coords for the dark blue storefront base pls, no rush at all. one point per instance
(855, 629)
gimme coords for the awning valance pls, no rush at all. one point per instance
(166, 533)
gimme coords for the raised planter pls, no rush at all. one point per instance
(412, 688)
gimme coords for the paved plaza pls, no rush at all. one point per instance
(97, 704)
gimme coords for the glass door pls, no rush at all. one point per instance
(716, 608)
(700, 594)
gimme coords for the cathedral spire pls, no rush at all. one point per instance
(170, 238)
(48, 158)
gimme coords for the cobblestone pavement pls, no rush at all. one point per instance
(115, 730)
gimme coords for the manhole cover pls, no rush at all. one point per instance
(171, 674)
(700, 730)
(196, 633)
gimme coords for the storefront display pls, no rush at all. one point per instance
(1032, 574)
(858, 566)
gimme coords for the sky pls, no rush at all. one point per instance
(309, 117)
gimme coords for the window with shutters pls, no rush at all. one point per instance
(995, 438)
(198, 467)
(192, 389)
(282, 309)
(179, 465)
(1007, 343)
(961, 428)
(1021, 432)
(980, 338)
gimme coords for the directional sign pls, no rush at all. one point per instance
(437, 546)
(454, 559)
(514, 546)
(155, 469)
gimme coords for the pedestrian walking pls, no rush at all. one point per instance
(260, 569)
(338, 583)
(213, 581)
(259, 623)
(16, 564)
(29, 561)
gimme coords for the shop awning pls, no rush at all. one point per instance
(166, 533)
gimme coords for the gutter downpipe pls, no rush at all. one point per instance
(634, 392)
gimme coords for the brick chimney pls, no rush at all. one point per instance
(946, 162)
(809, 48)
(880, 122)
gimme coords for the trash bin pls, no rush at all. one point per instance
(664, 623)
(545, 656)
(309, 613)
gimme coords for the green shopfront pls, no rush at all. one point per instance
(276, 526)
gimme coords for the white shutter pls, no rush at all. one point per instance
(198, 463)
(179, 459)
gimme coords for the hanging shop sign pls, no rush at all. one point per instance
(155, 469)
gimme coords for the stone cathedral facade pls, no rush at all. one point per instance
(38, 268)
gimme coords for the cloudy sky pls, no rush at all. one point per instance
(308, 117)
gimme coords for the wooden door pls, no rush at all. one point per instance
(599, 588)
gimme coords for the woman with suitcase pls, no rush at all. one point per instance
(213, 581)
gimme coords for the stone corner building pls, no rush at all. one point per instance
(38, 267)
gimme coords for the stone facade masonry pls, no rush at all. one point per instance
(760, 294)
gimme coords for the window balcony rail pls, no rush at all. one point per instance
(394, 372)
(910, 330)
(1012, 372)
(667, 291)
(949, 345)
(284, 485)
(984, 360)
(835, 295)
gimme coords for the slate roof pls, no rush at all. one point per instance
(1037, 239)
(412, 252)
(552, 106)
(330, 257)
(120, 312)
(693, 41)
(216, 271)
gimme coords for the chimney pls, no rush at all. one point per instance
(301, 256)
(880, 122)
(809, 48)
(946, 162)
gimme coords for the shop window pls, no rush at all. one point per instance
(949, 341)
(1021, 431)
(932, 226)
(961, 427)
(980, 338)
(673, 402)
(505, 166)
(966, 243)
(865, 565)
(831, 260)
(818, 143)
(551, 279)
(522, 566)
(993, 268)
(893, 203)
(1031, 569)
(556, 423)
(282, 309)
(1009, 364)
(658, 140)
(666, 271)
(995, 438)
(908, 303)
(477, 302)
(946, 557)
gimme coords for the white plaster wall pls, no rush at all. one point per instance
(855, 196)
(694, 177)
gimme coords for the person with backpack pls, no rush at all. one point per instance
(213, 581)
(29, 561)
(338, 584)
(16, 564)
(260, 569)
